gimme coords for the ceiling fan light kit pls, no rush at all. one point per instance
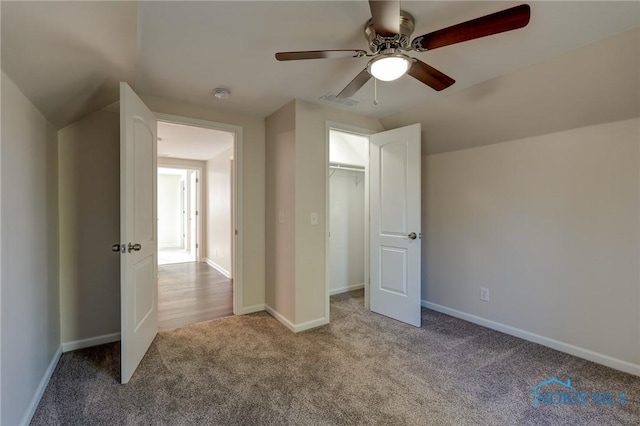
(388, 33)
(389, 67)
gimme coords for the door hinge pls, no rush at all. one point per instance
(196, 213)
(197, 180)
(197, 246)
(236, 232)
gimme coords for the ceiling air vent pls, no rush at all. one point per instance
(332, 97)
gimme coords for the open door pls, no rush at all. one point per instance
(138, 230)
(193, 214)
(394, 167)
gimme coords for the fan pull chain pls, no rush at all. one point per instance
(375, 91)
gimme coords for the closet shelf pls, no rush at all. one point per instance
(337, 166)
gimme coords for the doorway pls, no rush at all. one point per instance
(195, 223)
(347, 200)
(391, 219)
(179, 224)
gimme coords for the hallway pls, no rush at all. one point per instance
(192, 292)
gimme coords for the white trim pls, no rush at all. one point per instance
(311, 324)
(252, 309)
(346, 289)
(219, 268)
(238, 246)
(277, 315)
(296, 328)
(92, 341)
(587, 354)
(33, 405)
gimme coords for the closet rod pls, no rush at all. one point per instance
(353, 169)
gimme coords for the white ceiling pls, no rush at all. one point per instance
(66, 56)
(191, 143)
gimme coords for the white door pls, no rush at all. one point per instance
(395, 224)
(193, 214)
(138, 230)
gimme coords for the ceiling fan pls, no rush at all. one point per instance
(388, 33)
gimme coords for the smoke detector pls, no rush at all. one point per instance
(221, 93)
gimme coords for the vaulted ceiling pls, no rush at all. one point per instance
(68, 57)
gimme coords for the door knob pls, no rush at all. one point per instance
(412, 236)
(134, 247)
(118, 248)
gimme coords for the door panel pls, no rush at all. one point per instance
(393, 188)
(143, 198)
(394, 166)
(138, 230)
(393, 265)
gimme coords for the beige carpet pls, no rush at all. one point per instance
(362, 369)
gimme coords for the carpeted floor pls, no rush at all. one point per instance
(361, 369)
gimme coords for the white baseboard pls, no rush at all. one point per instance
(92, 341)
(587, 354)
(277, 315)
(346, 289)
(252, 309)
(31, 409)
(218, 267)
(296, 328)
(311, 324)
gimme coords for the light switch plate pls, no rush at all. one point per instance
(281, 217)
(314, 218)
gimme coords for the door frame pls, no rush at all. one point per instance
(345, 128)
(199, 199)
(237, 246)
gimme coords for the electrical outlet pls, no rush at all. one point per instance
(484, 294)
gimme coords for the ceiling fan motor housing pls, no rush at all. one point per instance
(378, 43)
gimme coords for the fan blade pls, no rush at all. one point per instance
(385, 16)
(429, 75)
(499, 22)
(320, 54)
(355, 84)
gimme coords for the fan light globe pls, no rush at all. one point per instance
(389, 68)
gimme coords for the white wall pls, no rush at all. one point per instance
(280, 212)
(550, 225)
(347, 227)
(219, 210)
(89, 152)
(310, 196)
(169, 211)
(30, 310)
(296, 185)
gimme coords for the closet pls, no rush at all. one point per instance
(348, 162)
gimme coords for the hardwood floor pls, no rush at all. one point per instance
(192, 292)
